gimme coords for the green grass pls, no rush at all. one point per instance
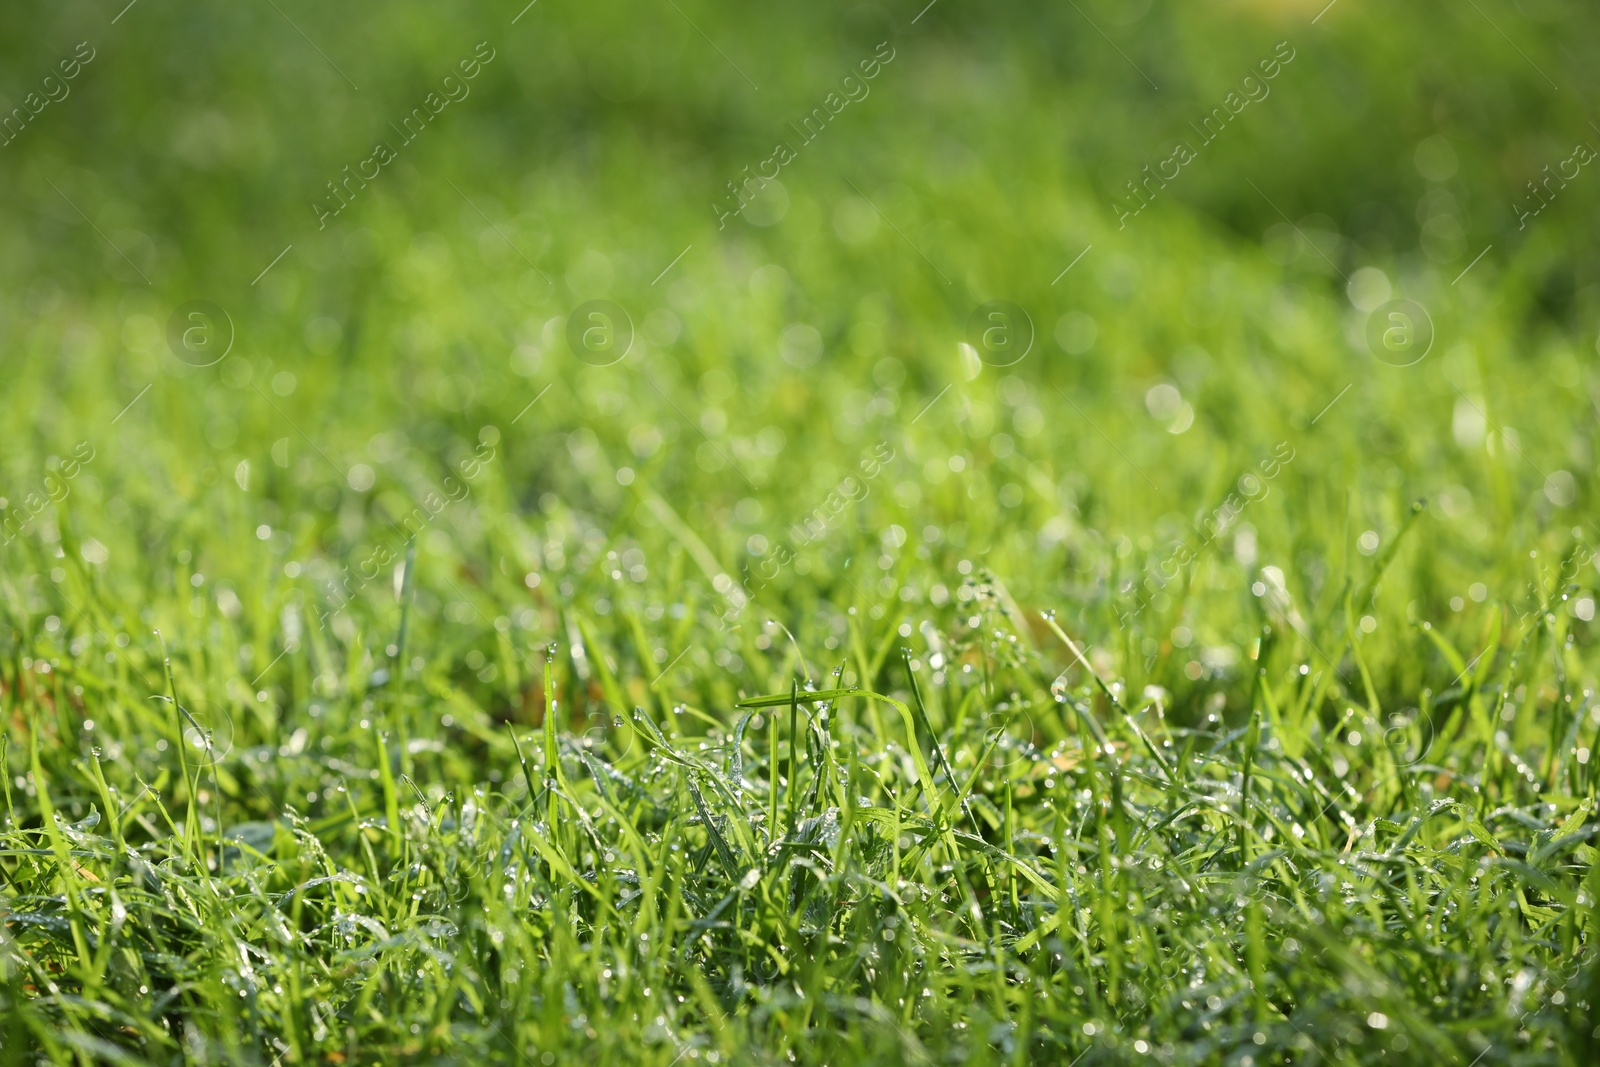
(1198, 689)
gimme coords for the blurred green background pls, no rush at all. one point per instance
(590, 153)
(208, 130)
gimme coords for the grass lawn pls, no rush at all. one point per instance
(541, 535)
